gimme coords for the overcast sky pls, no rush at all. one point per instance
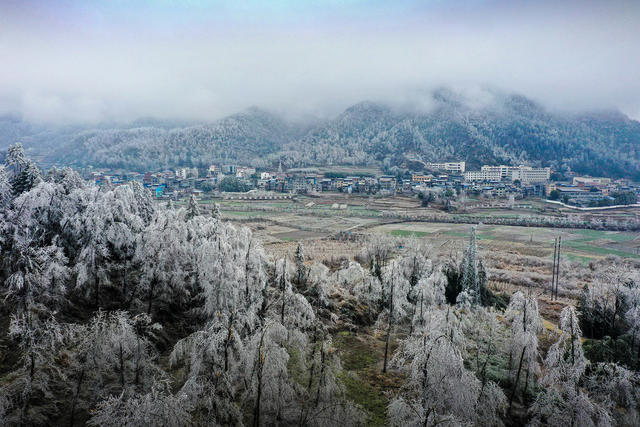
(83, 60)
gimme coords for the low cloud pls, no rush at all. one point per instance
(87, 63)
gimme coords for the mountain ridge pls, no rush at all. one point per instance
(496, 128)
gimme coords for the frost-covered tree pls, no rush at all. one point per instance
(603, 304)
(322, 401)
(377, 252)
(562, 401)
(439, 389)
(396, 303)
(213, 370)
(319, 286)
(125, 344)
(15, 159)
(525, 320)
(27, 179)
(415, 267)
(300, 278)
(112, 354)
(159, 407)
(34, 267)
(215, 212)
(5, 189)
(616, 390)
(473, 278)
(106, 225)
(428, 292)
(38, 342)
(269, 389)
(350, 278)
(166, 241)
(143, 203)
(193, 210)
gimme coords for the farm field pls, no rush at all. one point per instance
(578, 245)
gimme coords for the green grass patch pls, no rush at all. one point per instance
(597, 250)
(457, 233)
(584, 260)
(355, 354)
(608, 235)
(371, 400)
(486, 236)
(244, 213)
(491, 215)
(409, 233)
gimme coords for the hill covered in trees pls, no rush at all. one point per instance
(507, 129)
(502, 128)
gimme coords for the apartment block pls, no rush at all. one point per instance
(457, 168)
(529, 175)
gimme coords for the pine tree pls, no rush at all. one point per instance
(473, 276)
(192, 209)
(215, 212)
(26, 179)
(301, 270)
(143, 203)
(15, 160)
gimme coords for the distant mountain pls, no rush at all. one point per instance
(494, 128)
(245, 137)
(510, 129)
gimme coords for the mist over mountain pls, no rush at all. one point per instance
(510, 129)
(491, 129)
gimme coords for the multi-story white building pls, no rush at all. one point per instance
(529, 175)
(524, 174)
(452, 167)
(498, 173)
(471, 176)
(181, 173)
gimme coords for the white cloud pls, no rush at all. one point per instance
(89, 64)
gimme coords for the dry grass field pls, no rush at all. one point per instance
(516, 257)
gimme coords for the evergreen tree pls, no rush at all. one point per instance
(26, 179)
(15, 160)
(193, 210)
(143, 203)
(301, 274)
(215, 212)
(473, 278)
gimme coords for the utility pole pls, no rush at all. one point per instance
(556, 268)
(558, 265)
(553, 270)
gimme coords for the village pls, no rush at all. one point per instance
(449, 180)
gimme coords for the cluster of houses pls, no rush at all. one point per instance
(590, 191)
(490, 181)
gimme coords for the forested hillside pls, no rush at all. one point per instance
(246, 138)
(509, 130)
(503, 129)
(119, 311)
